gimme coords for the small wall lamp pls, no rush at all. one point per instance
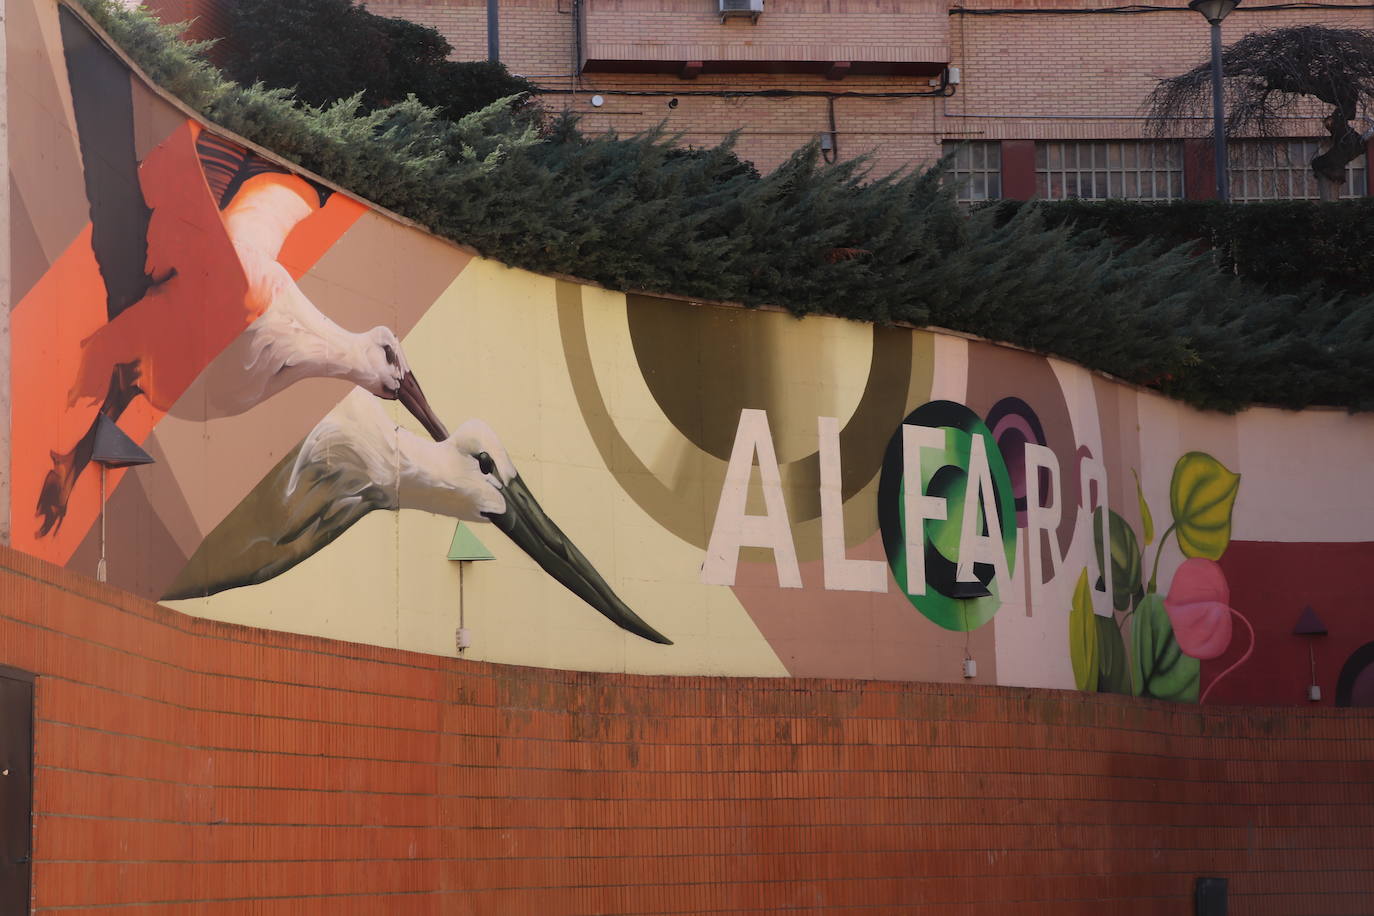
(1309, 624)
(111, 448)
(465, 548)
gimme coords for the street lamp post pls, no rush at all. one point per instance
(1214, 11)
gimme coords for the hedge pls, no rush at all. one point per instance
(638, 214)
(1284, 246)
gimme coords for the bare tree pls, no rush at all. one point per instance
(1275, 75)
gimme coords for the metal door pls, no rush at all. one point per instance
(16, 789)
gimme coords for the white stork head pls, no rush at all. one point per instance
(385, 373)
(473, 478)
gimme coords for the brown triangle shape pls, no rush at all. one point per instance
(1309, 624)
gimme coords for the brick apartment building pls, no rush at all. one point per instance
(1048, 98)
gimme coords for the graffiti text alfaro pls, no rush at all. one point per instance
(948, 507)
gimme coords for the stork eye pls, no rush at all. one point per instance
(485, 464)
(390, 355)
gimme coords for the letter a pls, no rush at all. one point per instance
(974, 546)
(734, 529)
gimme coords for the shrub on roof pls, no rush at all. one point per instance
(637, 214)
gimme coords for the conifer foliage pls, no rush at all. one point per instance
(639, 214)
(1281, 245)
(326, 50)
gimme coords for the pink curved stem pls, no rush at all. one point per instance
(1240, 661)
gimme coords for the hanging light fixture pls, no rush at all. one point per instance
(1213, 10)
(465, 548)
(1309, 624)
(112, 449)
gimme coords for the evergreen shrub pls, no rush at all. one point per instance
(1284, 246)
(326, 50)
(641, 214)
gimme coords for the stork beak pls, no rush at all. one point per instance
(525, 523)
(414, 400)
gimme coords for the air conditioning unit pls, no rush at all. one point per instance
(750, 8)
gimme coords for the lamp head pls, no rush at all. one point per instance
(1213, 10)
(111, 448)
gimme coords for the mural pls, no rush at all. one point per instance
(357, 460)
(1168, 635)
(186, 245)
(749, 493)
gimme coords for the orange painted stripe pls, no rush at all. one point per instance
(317, 233)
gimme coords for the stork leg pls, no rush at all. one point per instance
(67, 466)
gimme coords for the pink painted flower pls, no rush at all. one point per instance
(1199, 607)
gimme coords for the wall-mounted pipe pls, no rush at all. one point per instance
(493, 32)
(578, 41)
(831, 152)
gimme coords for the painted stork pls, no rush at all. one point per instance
(357, 460)
(159, 300)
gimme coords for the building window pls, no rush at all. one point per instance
(976, 169)
(1133, 169)
(1281, 170)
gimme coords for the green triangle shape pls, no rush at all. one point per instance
(466, 546)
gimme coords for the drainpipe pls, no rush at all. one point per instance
(579, 42)
(493, 32)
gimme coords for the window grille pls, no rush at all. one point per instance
(1281, 170)
(976, 170)
(1133, 169)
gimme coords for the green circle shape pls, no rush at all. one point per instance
(944, 473)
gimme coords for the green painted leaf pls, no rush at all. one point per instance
(1158, 666)
(1202, 495)
(1147, 521)
(1125, 558)
(1114, 669)
(1083, 636)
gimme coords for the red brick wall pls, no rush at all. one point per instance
(1024, 76)
(183, 760)
(893, 32)
(1031, 76)
(537, 42)
(1062, 76)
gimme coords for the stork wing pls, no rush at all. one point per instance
(103, 102)
(311, 497)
